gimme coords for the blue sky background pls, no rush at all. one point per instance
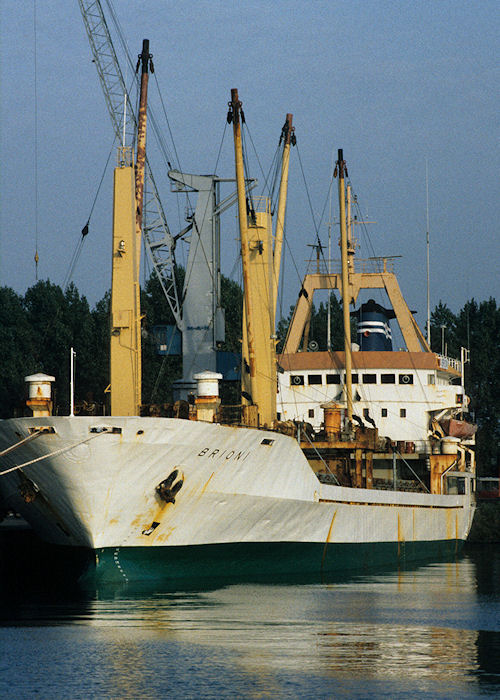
(392, 83)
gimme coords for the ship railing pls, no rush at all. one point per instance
(334, 267)
(230, 415)
(446, 362)
(416, 447)
(261, 203)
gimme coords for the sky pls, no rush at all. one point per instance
(403, 87)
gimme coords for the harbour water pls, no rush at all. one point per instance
(432, 631)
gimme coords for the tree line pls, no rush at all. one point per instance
(38, 329)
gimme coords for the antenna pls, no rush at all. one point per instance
(428, 256)
(124, 118)
(36, 257)
(72, 355)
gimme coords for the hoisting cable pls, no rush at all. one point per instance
(318, 244)
(163, 145)
(246, 170)
(412, 470)
(274, 169)
(279, 153)
(361, 222)
(307, 193)
(165, 152)
(274, 172)
(35, 150)
(249, 199)
(151, 116)
(162, 368)
(85, 229)
(321, 458)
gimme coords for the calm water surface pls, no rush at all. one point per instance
(429, 632)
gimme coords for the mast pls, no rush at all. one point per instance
(124, 377)
(329, 304)
(144, 61)
(125, 342)
(348, 218)
(258, 343)
(288, 135)
(235, 106)
(350, 246)
(341, 168)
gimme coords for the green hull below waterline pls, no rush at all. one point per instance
(250, 560)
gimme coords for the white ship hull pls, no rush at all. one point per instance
(249, 498)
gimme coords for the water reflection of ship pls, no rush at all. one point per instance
(420, 627)
(424, 642)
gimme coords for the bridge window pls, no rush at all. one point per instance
(315, 379)
(402, 412)
(384, 413)
(296, 380)
(388, 378)
(311, 413)
(333, 378)
(369, 378)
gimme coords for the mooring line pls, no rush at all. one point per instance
(51, 454)
(21, 442)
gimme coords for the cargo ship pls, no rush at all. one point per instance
(292, 480)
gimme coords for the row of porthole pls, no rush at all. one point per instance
(368, 378)
(366, 413)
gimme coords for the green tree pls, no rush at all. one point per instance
(45, 306)
(232, 303)
(59, 321)
(477, 328)
(158, 371)
(443, 326)
(318, 326)
(82, 336)
(16, 350)
(99, 371)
